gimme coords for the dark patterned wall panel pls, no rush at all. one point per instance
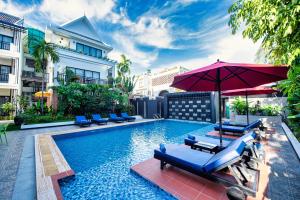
(190, 106)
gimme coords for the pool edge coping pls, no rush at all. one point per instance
(47, 187)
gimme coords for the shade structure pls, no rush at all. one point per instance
(39, 94)
(248, 92)
(221, 76)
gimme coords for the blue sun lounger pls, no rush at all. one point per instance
(238, 129)
(96, 118)
(127, 117)
(82, 121)
(209, 165)
(253, 148)
(191, 139)
(233, 124)
(114, 118)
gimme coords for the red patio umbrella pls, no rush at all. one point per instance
(222, 76)
(249, 91)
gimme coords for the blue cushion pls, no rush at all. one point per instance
(248, 137)
(254, 124)
(215, 141)
(96, 116)
(162, 148)
(124, 115)
(192, 137)
(185, 156)
(235, 129)
(80, 118)
(233, 151)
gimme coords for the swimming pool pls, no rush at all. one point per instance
(102, 159)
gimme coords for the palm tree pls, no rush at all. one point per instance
(41, 51)
(124, 66)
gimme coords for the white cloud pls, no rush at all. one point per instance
(186, 2)
(141, 60)
(15, 9)
(152, 31)
(146, 30)
(231, 48)
(61, 11)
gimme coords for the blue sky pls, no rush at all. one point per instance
(152, 33)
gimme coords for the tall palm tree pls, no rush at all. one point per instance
(124, 66)
(43, 50)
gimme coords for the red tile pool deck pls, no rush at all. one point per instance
(187, 186)
(216, 134)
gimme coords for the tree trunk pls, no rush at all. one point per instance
(43, 77)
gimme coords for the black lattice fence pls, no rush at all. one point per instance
(190, 106)
(196, 106)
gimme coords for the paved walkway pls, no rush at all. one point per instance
(284, 178)
(10, 156)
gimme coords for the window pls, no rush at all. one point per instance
(85, 75)
(93, 52)
(99, 53)
(87, 50)
(5, 69)
(29, 63)
(5, 42)
(79, 47)
(4, 99)
(88, 74)
(96, 75)
(79, 72)
(7, 39)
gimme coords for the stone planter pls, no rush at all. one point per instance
(268, 121)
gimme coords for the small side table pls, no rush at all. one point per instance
(212, 148)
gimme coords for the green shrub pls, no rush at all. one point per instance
(271, 110)
(239, 106)
(79, 99)
(37, 119)
(7, 108)
(13, 127)
(18, 120)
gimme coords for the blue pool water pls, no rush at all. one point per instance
(102, 159)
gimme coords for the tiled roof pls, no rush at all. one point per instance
(10, 19)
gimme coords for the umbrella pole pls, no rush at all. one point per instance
(220, 103)
(247, 108)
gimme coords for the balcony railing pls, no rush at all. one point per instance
(31, 89)
(4, 78)
(5, 45)
(34, 76)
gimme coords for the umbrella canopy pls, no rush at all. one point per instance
(230, 75)
(39, 94)
(249, 91)
(222, 76)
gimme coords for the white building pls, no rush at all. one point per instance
(157, 82)
(80, 51)
(11, 54)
